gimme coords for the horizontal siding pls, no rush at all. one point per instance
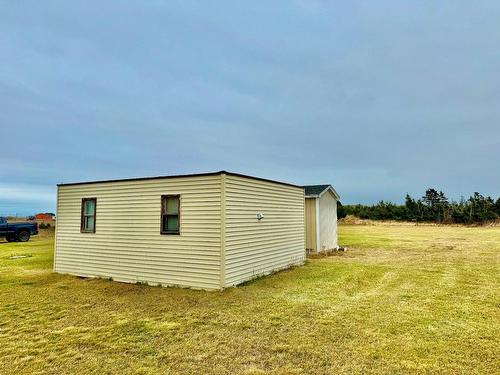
(128, 246)
(253, 247)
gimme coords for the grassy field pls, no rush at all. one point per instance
(402, 299)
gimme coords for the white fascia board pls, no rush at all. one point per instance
(330, 188)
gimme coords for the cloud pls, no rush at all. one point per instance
(28, 193)
(378, 98)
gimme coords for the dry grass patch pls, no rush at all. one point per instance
(403, 299)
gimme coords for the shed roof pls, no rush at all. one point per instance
(317, 190)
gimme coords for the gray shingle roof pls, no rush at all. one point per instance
(314, 189)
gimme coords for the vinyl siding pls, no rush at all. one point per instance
(328, 221)
(252, 247)
(310, 223)
(127, 245)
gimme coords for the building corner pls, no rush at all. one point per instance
(223, 231)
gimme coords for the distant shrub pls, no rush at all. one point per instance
(432, 207)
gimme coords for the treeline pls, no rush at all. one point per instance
(434, 206)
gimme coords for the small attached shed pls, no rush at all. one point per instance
(321, 217)
(206, 231)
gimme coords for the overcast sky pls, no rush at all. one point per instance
(378, 98)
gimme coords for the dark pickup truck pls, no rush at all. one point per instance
(17, 231)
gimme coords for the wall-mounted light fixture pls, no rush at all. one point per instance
(260, 216)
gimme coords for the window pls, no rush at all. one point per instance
(170, 214)
(88, 215)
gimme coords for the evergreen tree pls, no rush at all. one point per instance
(412, 209)
(496, 207)
(340, 211)
(431, 197)
(433, 207)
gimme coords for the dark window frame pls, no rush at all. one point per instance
(170, 232)
(82, 218)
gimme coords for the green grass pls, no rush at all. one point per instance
(402, 299)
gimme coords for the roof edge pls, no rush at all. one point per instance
(178, 176)
(329, 187)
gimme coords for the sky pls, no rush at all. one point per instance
(377, 98)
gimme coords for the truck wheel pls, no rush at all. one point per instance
(23, 236)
